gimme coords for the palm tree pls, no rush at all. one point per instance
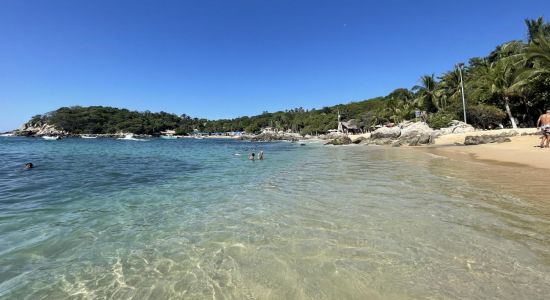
(512, 49)
(535, 28)
(538, 52)
(426, 92)
(449, 88)
(505, 80)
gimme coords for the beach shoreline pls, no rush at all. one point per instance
(522, 151)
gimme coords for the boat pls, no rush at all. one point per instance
(7, 134)
(199, 137)
(88, 137)
(130, 137)
(50, 138)
(168, 137)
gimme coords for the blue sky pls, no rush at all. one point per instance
(223, 59)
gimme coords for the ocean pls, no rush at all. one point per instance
(195, 219)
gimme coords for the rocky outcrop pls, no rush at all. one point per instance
(457, 127)
(407, 133)
(414, 134)
(379, 142)
(341, 140)
(485, 139)
(39, 130)
(386, 133)
(268, 137)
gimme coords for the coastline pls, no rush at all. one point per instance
(522, 151)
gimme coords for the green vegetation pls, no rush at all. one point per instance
(510, 86)
(101, 120)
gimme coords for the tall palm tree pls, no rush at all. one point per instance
(426, 92)
(505, 80)
(449, 88)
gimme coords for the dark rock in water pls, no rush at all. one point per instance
(359, 140)
(342, 140)
(485, 139)
(302, 144)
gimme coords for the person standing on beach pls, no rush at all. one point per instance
(544, 123)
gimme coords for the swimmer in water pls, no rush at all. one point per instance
(251, 157)
(261, 155)
(29, 165)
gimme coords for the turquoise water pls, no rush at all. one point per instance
(189, 219)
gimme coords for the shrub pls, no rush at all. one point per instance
(440, 119)
(484, 116)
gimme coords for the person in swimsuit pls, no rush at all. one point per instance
(28, 166)
(251, 157)
(261, 155)
(544, 123)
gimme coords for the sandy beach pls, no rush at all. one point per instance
(521, 151)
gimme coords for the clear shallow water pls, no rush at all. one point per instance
(189, 219)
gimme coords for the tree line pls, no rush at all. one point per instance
(510, 87)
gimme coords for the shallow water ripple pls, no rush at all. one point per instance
(173, 219)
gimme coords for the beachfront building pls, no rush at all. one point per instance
(347, 127)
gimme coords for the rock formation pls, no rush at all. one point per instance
(485, 139)
(341, 140)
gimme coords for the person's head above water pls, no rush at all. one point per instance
(28, 165)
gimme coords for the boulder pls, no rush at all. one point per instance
(416, 133)
(415, 129)
(457, 127)
(341, 140)
(485, 139)
(386, 133)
